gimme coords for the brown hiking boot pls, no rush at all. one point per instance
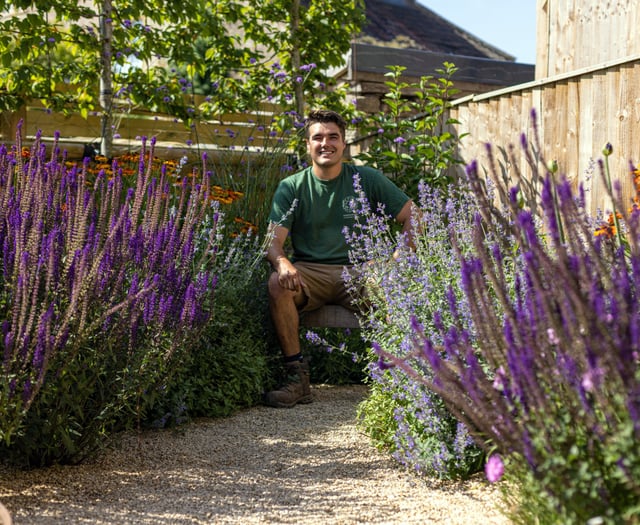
(296, 388)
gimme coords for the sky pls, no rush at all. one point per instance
(509, 25)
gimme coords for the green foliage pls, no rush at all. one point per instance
(56, 50)
(56, 54)
(336, 356)
(376, 416)
(587, 463)
(582, 479)
(95, 394)
(229, 364)
(412, 137)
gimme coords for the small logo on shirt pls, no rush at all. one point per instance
(348, 205)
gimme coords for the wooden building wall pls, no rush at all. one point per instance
(578, 113)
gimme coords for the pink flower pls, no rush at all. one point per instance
(494, 468)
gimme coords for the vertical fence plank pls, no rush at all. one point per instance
(578, 114)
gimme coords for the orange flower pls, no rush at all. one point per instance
(224, 196)
(608, 229)
(605, 231)
(245, 225)
(223, 200)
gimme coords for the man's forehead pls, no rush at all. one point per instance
(323, 128)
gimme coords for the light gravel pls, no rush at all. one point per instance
(309, 464)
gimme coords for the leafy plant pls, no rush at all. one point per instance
(337, 356)
(229, 363)
(412, 138)
(112, 56)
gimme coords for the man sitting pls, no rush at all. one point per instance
(314, 206)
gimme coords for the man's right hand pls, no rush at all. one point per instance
(288, 276)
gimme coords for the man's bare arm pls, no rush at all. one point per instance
(409, 217)
(287, 274)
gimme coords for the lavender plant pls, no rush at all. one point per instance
(543, 369)
(102, 288)
(401, 414)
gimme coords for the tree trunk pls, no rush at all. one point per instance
(298, 88)
(106, 90)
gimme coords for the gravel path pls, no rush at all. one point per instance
(306, 465)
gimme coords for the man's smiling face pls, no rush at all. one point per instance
(325, 144)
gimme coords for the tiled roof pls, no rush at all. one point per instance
(413, 26)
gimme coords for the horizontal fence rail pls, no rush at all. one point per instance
(247, 131)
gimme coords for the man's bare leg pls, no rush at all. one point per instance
(284, 314)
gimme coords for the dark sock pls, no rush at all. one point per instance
(293, 358)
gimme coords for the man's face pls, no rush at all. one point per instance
(325, 144)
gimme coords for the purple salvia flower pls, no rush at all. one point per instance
(27, 391)
(514, 193)
(12, 387)
(189, 308)
(382, 364)
(165, 308)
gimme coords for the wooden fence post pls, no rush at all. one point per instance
(9, 125)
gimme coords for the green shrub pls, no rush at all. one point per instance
(230, 363)
(412, 138)
(336, 356)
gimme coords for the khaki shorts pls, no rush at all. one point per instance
(324, 284)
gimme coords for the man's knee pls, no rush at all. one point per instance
(278, 292)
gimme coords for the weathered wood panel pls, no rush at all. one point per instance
(250, 130)
(330, 316)
(574, 34)
(577, 115)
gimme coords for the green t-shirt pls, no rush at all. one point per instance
(323, 209)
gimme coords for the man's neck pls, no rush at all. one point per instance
(327, 173)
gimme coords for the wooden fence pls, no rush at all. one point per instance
(578, 113)
(242, 132)
(574, 34)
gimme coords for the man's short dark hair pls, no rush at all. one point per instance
(324, 116)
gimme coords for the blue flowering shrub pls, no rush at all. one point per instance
(540, 356)
(402, 415)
